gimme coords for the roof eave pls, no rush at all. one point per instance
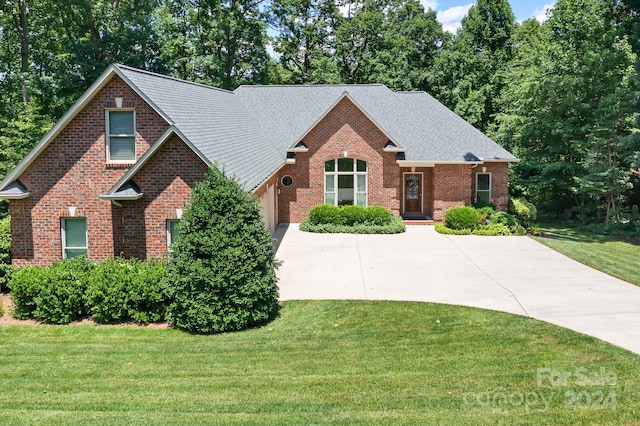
(150, 152)
(116, 197)
(14, 196)
(86, 97)
(362, 110)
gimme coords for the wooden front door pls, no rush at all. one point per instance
(413, 192)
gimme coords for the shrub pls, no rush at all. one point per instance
(442, 229)
(376, 215)
(395, 226)
(221, 273)
(325, 213)
(525, 212)
(127, 289)
(352, 215)
(492, 229)
(54, 294)
(5, 253)
(461, 218)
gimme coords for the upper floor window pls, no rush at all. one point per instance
(121, 136)
(345, 182)
(74, 237)
(483, 188)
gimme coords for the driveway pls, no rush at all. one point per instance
(511, 274)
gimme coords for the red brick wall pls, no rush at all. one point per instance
(140, 227)
(72, 172)
(345, 128)
(451, 188)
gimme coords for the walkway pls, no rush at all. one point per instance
(511, 274)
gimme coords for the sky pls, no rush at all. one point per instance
(450, 12)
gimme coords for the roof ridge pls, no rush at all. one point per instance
(168, 77)
(314, 85)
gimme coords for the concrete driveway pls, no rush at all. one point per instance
(511, 274)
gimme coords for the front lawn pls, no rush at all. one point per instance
(339, 362)
(608, 254)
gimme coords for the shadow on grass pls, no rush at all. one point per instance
(563, 232)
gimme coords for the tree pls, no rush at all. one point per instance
(221, 274)
(388, 41)
(305, 43)
(569, 110)
(467, 76)
(221, 43)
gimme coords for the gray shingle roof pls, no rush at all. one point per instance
(215, 122)
(248, 131)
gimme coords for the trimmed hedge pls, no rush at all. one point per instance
(127, 289)
(461, 218)
(114, 290)
(396, 226)
(349, 215)
(442, 229)
(55, 294)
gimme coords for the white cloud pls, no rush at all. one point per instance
(429, 4)
(541, 13)
(450, 18)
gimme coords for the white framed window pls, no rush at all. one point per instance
(345, 182)
(172, 232)
(74, 237)
(121, 136)
(483, 188)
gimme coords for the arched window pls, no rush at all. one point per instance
(345, 182)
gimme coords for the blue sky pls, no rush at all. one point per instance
(450, 12)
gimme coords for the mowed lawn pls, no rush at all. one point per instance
(608, 254)
(327, 362)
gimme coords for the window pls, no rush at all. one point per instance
(172, 232)
(74, 237)
(345, 182)
(483, 188)
(121, 136)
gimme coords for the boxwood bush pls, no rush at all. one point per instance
(327, 218)
(461, 218)
(55, 294)
(127, 289)
(325, 214)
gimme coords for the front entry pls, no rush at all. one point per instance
(413, 193)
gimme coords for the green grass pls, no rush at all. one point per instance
(607, 254)
(339, 362)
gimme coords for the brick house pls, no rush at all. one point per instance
(113, 175)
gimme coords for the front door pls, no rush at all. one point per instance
(413, 192)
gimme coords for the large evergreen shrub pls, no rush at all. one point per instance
(221, 274)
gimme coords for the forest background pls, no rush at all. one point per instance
(562, 95)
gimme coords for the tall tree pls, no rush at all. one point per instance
(305, 43)
(467, 76)
(222, 43)
(569, 110)
(388, 41)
